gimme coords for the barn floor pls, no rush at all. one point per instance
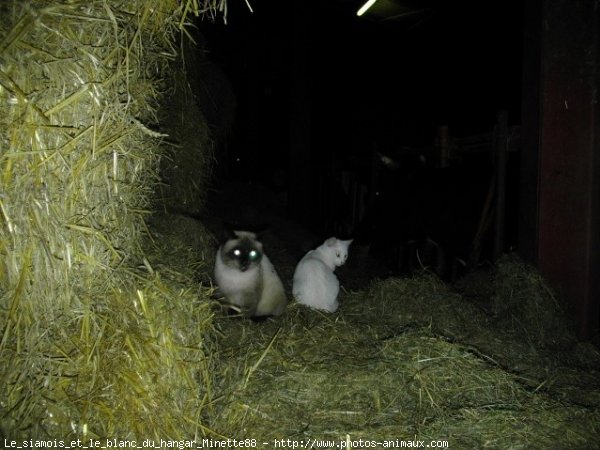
(490, 362)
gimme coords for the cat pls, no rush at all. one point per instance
(246, 277)
(315, 284)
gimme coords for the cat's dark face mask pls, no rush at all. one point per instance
(245, 257)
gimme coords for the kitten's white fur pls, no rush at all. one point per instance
(258, 291)
(315, 284)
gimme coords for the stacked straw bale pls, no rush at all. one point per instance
(186, 168)
(91, 346)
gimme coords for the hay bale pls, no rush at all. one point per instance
(92, 346)
(197, 114)
(186, 168)
(181, 248)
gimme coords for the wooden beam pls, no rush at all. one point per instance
(569, 169)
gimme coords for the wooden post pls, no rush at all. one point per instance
(568, 210)
(527, 241)
(500, 143)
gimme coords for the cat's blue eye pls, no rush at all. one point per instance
(237, 252)
(253, 254)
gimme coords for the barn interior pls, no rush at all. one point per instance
(454, 142)
(425, 131)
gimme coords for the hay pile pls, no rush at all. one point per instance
(413, 359)
(95, 342)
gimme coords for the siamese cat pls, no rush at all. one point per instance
(246, 277)
(315, 284)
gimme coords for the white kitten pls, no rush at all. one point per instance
(315, 284)
(247, 278)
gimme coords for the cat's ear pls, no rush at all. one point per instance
(228, 234)
(260, 231)
(245, 234)
(258, 235)
(346, 244)
(331, 242)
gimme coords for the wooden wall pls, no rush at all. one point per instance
(560, 178)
